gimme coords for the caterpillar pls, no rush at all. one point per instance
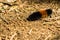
(39, 14)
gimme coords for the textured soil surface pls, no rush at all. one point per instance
(14, 26)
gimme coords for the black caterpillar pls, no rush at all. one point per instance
(39, 14)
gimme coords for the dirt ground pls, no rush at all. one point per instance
(14, 26)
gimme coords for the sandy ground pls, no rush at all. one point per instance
(14, 26)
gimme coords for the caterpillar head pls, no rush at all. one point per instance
(49, 11)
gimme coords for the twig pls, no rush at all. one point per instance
(4, 20)
(8, 4)
(52, 18)
(30, 31)
(47, 37)
(13, 36)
